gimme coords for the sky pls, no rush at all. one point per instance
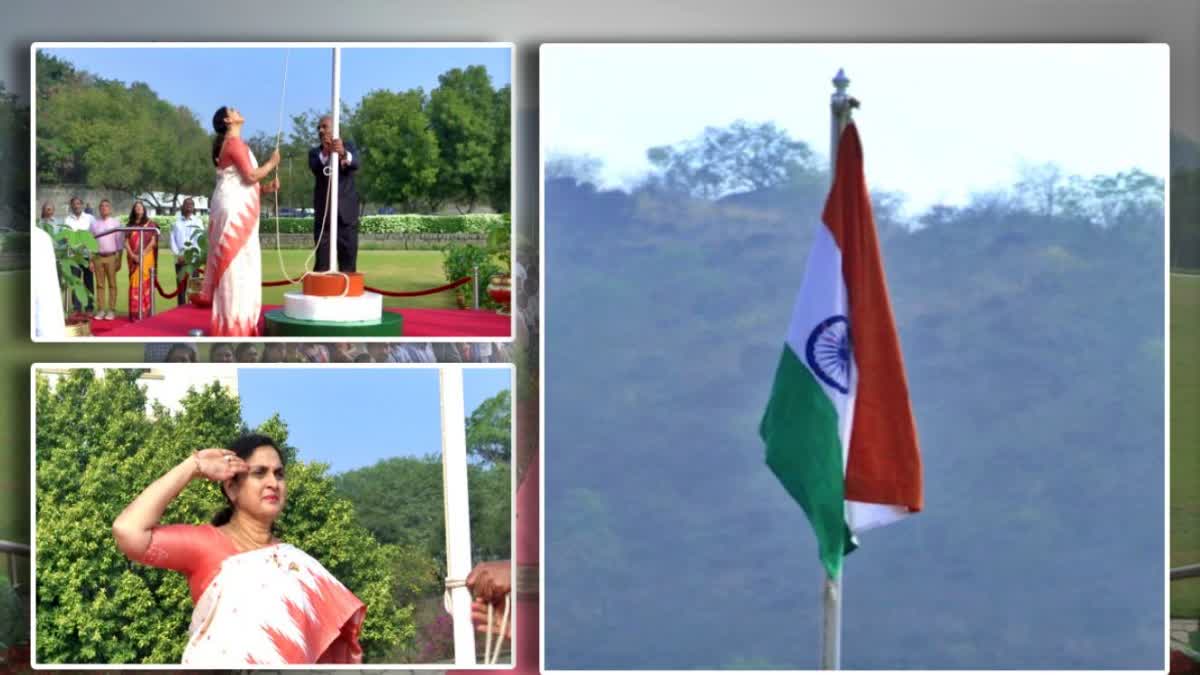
(937, 122)
(252, 79)
(350, 418)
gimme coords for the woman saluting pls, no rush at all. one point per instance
(257, 599)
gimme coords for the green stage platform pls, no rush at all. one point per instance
(279, 324)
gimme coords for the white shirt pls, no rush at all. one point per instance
(48, 319)
(81, 222)
(184, 232)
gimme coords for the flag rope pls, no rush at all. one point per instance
(328, 192)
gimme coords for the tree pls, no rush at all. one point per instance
(96, 449)
(184, 156)
(738, 158)
(1040, 187)
(400, 500)
(399, 163)
(489, 429)
(579, 168)
(14, 161)
(499, 191)
(295, 178)
(461, 111)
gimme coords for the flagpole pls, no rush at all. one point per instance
(840, 105)
(457, 508)
(331, 214)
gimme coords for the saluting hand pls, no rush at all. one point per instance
(219, 464)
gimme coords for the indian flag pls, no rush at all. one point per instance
(839, 428)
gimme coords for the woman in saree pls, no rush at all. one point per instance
(233, 273)
(140, 246)
(257, 600)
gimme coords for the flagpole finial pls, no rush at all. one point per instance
(840, 106)
(840, 81)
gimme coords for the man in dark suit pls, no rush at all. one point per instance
(347, 223)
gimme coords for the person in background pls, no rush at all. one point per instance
(315, 353)
(274, 352)
(47, 220)
(181, 353)
(364, 358)
(80, 220)
(107, 260)
(380, 352)
(293, 353)
(220, 353)
(184, 233)
(246, 352)
(141, 249)
(88, 209)
(343, 352)
(446, 352)
(421, 353)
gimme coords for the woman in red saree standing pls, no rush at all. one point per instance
(257, 600)
(233, 273)
(141, 249)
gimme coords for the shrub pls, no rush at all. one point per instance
(460, 261)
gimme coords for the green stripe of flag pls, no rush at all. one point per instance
(800, 429)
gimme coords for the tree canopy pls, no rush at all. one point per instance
(420, 151)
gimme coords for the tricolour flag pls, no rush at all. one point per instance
(839, 428)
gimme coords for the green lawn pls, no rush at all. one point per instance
(1185, 440)
(387, 270)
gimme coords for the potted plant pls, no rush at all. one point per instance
(500, 246)
(73, 250)
(461, 261)
(195, 254)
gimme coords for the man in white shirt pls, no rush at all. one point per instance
(184, 233)
(78, 219)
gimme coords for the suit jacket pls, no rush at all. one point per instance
(347, 193)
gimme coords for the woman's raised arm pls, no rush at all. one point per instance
(132, 529)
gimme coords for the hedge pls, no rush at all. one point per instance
(410, 223)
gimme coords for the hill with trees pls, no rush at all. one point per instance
(1031, 321)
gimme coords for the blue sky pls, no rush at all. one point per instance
(354, 417)
(938, 122)
(251, 79)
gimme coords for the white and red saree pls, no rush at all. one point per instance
(233, 273)
(275, 605)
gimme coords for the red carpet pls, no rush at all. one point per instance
(439, 323)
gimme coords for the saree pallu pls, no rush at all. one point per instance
(275, 605)
(141, 281)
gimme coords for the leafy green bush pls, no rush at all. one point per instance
(409, 223)
(460, 261)
(97, 448)
(14, 242)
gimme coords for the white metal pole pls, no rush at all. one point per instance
(334, 161)
(458, 515)
(840, 105)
